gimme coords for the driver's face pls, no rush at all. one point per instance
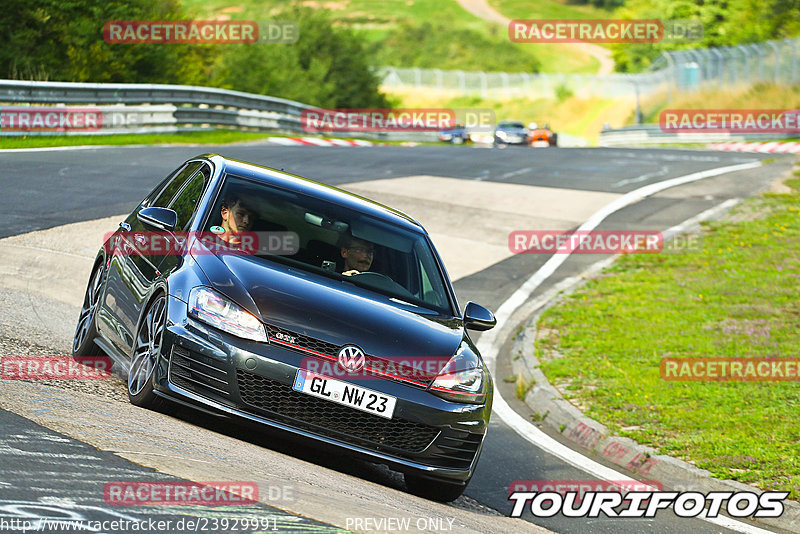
(358, 256)
(237, 219)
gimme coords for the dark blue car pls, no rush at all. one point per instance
(346, 333)
(456, 135)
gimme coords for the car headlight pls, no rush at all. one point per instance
(208, 306)
(463, 379)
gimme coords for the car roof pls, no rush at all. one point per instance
(315, 189)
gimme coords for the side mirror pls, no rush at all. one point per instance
(161, 218)
(476, 317)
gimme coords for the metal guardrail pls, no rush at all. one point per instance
(151, 108)
(142, 108)
(129, 93)
(652, 134)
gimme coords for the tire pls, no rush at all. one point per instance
(146, 352)
(83, 341)
(458, 140)
(434, 490)
(554, 139)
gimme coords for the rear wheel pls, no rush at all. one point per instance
(83, 341)
(149, 341)
(435, 490)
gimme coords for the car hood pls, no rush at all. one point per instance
(332, 311)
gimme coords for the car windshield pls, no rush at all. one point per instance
(335, 241)
(510, 125)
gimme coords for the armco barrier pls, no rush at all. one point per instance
(150, 108)
(652, 134)
(145, 108)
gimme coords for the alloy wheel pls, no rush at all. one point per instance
(148, 346)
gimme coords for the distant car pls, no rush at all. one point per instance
(377, 363)
(541, 137)
(457, 135)
(510, 133)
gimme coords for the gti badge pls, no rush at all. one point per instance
(285, 337)
(351, 358)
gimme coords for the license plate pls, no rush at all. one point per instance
(345, 393)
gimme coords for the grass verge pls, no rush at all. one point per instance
(732, 295)
(758, 96)
(574, 115)
(446, 36)
(217, 137)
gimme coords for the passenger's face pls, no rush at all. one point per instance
(358, 255)
(237, 219)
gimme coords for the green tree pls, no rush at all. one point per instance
(725, 23)
(439, 46)
(63, 40)
(327, 67)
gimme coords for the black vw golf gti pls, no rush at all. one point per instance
(249, 292)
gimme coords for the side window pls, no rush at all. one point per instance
(186, 201)
(166, 194)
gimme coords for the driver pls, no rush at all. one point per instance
(357, 255)
(237, 217)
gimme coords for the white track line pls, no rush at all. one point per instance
(65, 148)
(487, 344)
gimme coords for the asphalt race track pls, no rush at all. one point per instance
(468, 198)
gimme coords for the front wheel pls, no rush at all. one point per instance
(83, 343)
(435, 490)
(149, 342)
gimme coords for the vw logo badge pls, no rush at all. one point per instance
(351, 358)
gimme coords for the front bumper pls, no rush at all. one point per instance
(226, 375)
(511, 140)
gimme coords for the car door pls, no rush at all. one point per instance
(133, 267)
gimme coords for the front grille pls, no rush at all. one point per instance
(197, 373)
(306, 342)
(330, 419)
(456, 449)
(417, 369)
